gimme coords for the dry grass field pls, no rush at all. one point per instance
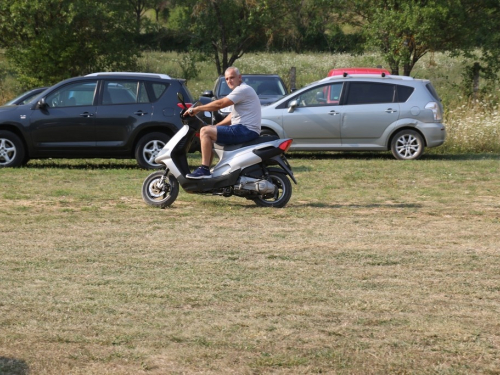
(376, 266)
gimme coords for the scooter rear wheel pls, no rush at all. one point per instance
(282, 194)
(160, 191)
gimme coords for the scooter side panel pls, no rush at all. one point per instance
(166, 153)
(240, 158)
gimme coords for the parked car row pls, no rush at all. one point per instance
(133, 115)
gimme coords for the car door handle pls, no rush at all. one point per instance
(390, 110)
(140, 113)
(86, 114)
(333, 112)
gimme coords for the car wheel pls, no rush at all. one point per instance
(12, 152)
(266, 132)
(407, 145)
(148, 149)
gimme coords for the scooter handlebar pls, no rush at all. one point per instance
(194, 121)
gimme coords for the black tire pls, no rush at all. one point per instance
(266, 132)
(148, 148)
(12, 152)
(282, 196)
(407, 145)
(158, 191)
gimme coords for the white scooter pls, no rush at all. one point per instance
(255, 170)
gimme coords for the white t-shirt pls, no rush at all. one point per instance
(246, 108)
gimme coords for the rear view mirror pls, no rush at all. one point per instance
(292, 105)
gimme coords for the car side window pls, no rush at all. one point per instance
(124, 92)
(157, 90)
(370, 93)
(74, 94)
(403, 93)
(326, 95)
(142, 96)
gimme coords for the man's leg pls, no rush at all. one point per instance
(208, 135)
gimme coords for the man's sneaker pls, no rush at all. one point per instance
(200, 172)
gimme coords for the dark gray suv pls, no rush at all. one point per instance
(360, 112)
(101, 115)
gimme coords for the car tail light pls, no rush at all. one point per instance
(286, 145)
(436, 110)
(188, 105)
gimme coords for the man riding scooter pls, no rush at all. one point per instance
(240, 126)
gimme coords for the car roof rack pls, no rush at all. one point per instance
(132, 74)
(382, 75)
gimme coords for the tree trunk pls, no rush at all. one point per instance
(475, 79)
(407, 69)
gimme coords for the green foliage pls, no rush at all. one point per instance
(50, 40)
(404, 31)
(485, 60)
(310, 25)
(225, 29)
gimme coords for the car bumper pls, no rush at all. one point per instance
(434, 133)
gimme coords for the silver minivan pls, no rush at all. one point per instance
(360, 113)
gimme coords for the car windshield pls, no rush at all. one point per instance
(262, 86)
(26, 97)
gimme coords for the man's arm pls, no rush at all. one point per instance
(212, 106)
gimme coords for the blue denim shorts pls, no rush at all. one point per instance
(234, 134)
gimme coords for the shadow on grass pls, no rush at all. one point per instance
(13, 366)
(357, 206)
(91, 164)
(222, 202)
(334, 155)
(82, 164)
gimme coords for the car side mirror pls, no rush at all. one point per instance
(208, 94)
(42, 104)
(292, 105)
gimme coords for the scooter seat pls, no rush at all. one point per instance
(256, 141)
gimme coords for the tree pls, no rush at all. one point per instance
(139, 7)
(50, 40)
(230, 26)
(226, 29)
(405, 30)
(159, 6)
(484, 51)
(306, 25)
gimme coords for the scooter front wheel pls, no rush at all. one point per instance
(282, 194)
(159, 190)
